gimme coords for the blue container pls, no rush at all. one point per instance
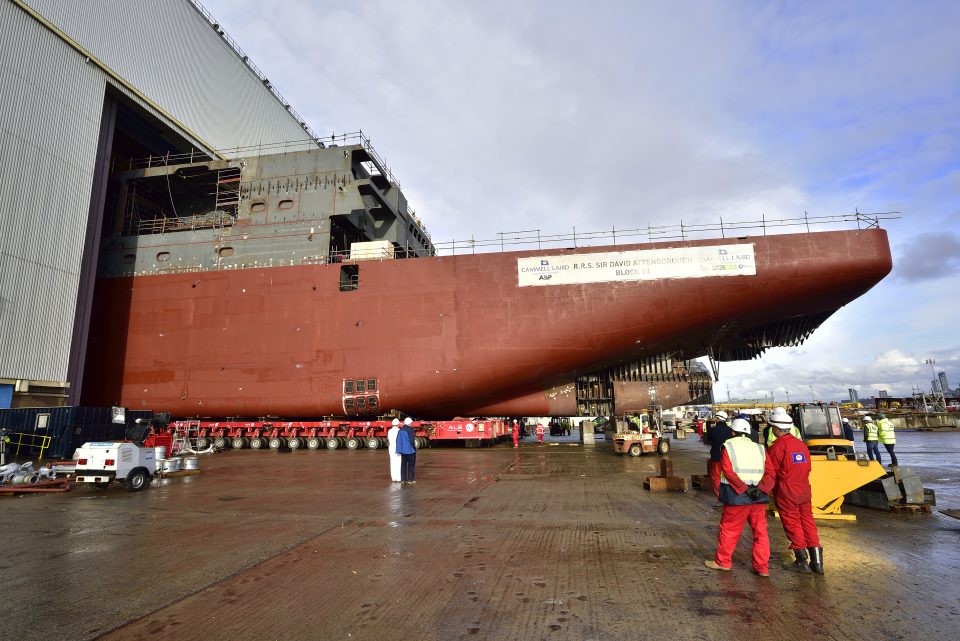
(68, 427)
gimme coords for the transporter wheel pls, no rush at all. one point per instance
(373, 443)
(313, 443)
(333, 443)
(275, 443)
(256, 443)
(294, 443)
(663, 447)
(137, 479)
(203, 443)
(220, 442)
(636, 450)
(352, 443)
(237, 443)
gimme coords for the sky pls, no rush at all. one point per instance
(499, 116)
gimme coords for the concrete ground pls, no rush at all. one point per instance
(548, 542)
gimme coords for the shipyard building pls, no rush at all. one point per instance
(85, 87)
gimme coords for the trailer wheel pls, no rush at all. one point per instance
(362, 443)
(220, 442)
(636, 450)
(353, 443)
(294, 443)
(275, 443)
(333, 443)
(373, 443)
(237, 443)
(663, 447)
(256, 443)
(203, 443)
(137, 479)
(313, 443)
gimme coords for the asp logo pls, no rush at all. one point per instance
(798, 457)
(544, 263)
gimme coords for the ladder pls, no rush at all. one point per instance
(227, 197)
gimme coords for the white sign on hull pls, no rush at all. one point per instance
(638, 264)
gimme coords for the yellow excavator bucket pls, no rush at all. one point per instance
(830, 480)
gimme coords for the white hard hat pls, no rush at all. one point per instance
(396, 422)
(722, 414)
(408, 421)
(845, 419)
(781, 417)
(741, 425)
(867, 418)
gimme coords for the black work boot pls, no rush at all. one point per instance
(816, 559)
(800, 564)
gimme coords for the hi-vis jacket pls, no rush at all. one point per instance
(742, 465)
(885, 431)
(870, 431)
(771, 437)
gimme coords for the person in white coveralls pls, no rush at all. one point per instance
(392, 450)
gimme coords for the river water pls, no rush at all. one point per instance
(936, 458)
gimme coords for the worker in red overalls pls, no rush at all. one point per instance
(539, 433)
(742, 467)
(787, 475)
(516, 433)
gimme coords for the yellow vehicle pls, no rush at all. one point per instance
(836, 468)
(643, 434)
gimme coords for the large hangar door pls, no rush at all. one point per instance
(127, 131)
(91, 250)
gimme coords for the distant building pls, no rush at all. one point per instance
(935, 386)
(944, 386)
(883, 394)
(854, 397)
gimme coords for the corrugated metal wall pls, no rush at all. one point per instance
(50, 105)
(51, 102)
(168, 51)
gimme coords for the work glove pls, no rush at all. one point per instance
(755, 493)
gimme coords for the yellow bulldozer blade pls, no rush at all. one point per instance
(830, 480)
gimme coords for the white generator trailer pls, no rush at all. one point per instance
(127, 461)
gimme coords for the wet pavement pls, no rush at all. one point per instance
(548, 542)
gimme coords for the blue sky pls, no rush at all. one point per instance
(500, 115)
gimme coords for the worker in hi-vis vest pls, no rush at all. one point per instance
(886, 435)
(780, 417)
(742, 464)
(872, 439)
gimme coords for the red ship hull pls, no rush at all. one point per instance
(443, 336)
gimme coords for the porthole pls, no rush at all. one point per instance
(285, 204)
(163, 257)
(225, 252)
(258, 207)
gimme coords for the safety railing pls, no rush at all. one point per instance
(161, 225)
(36, 443)
(536, 238)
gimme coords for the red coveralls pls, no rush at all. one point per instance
(540, 433)
(733, 519)
(516, 434)
(787, 474)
